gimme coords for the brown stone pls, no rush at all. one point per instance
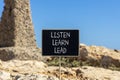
(16, 29)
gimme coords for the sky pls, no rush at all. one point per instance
(97, 20)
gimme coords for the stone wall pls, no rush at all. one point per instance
(16, 28)
(17, 39)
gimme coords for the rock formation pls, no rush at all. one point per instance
(17, 38)
(100, 56)
(16, 27)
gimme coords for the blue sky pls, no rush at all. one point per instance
(97, 20)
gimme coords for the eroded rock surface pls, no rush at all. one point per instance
(17, 40)
(37, 70)
(100, 55)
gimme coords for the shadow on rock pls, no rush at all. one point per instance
(6, 55)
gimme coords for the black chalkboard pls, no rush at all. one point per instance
(60, 42)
